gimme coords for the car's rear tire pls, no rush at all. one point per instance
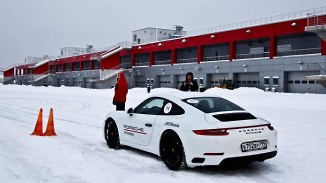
(172, 152)
(111, 134)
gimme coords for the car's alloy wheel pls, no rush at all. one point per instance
(111, 134)
(172, 152)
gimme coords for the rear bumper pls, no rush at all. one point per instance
(243, 159)
(216, 150)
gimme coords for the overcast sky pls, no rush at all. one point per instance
(39, 27)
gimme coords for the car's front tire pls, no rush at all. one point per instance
(172, 152)
(111, 134)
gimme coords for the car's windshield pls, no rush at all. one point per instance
(212, 104)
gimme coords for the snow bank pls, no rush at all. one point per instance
(242, 90)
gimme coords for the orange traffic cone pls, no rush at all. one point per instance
(39, 126)
(50, 127)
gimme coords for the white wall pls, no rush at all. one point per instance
(1, 78)
(71, 51)
(148, 35)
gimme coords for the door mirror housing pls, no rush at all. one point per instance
(130, 111)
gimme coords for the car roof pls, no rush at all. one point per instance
(184, 95)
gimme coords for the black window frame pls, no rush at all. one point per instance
(177, 110)
(231, 105)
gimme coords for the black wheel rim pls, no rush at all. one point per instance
(172, 152)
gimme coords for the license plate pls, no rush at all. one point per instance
(254, 146)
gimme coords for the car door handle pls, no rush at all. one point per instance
(148, 125)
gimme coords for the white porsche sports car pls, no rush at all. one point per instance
(194, 129)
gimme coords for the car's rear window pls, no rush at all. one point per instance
(212, 104)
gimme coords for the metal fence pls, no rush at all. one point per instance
(187, 60)
(163, 62)
(300, 52)
(216, 58)
(142, 64)
(256, 55)
(261, 21)
(318, 17)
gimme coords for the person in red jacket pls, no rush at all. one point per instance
(120, 92)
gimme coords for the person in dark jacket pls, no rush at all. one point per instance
(120, 92)
(189, 84)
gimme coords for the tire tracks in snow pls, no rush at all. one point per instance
(14, 110)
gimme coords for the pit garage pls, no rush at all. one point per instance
(214, 80)
(140, 81)
(164, 81)
(296, 82)
(246, 79)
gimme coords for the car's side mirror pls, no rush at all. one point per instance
(130, 110)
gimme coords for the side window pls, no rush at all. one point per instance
(151, 106)
(170, 108)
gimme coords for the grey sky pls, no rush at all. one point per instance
(39, 27)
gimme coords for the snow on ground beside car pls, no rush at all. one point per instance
(80, 154)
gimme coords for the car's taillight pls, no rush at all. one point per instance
(270, 127)
(212, 132)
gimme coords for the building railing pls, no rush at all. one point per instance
(142, 64)
(187, 60)
(255, 55)
(105, 74)
(299, 52)
(37, 77)
(255, 22)
(313, 68)
(124, 44)
(216, 58)
(261, 21)
(163, 62)
(11, 65)
(125, 66)
(317, 17)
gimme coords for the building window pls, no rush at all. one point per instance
(86, 65)
(304, 82)
(297, 81)
(266, 81)
(77, 66)
(275, 80)
(60, 68)
(135, 37)
(311, 82)
(96, 64)
(52, 69)
(68, 67)
(290, 81)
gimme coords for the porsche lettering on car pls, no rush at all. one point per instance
(192, 129)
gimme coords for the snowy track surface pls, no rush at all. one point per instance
(80, 154)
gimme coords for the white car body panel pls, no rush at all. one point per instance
(133, 132)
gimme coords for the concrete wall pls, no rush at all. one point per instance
(244, 73)
(282, 74)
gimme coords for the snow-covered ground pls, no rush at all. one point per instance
(80, 154)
